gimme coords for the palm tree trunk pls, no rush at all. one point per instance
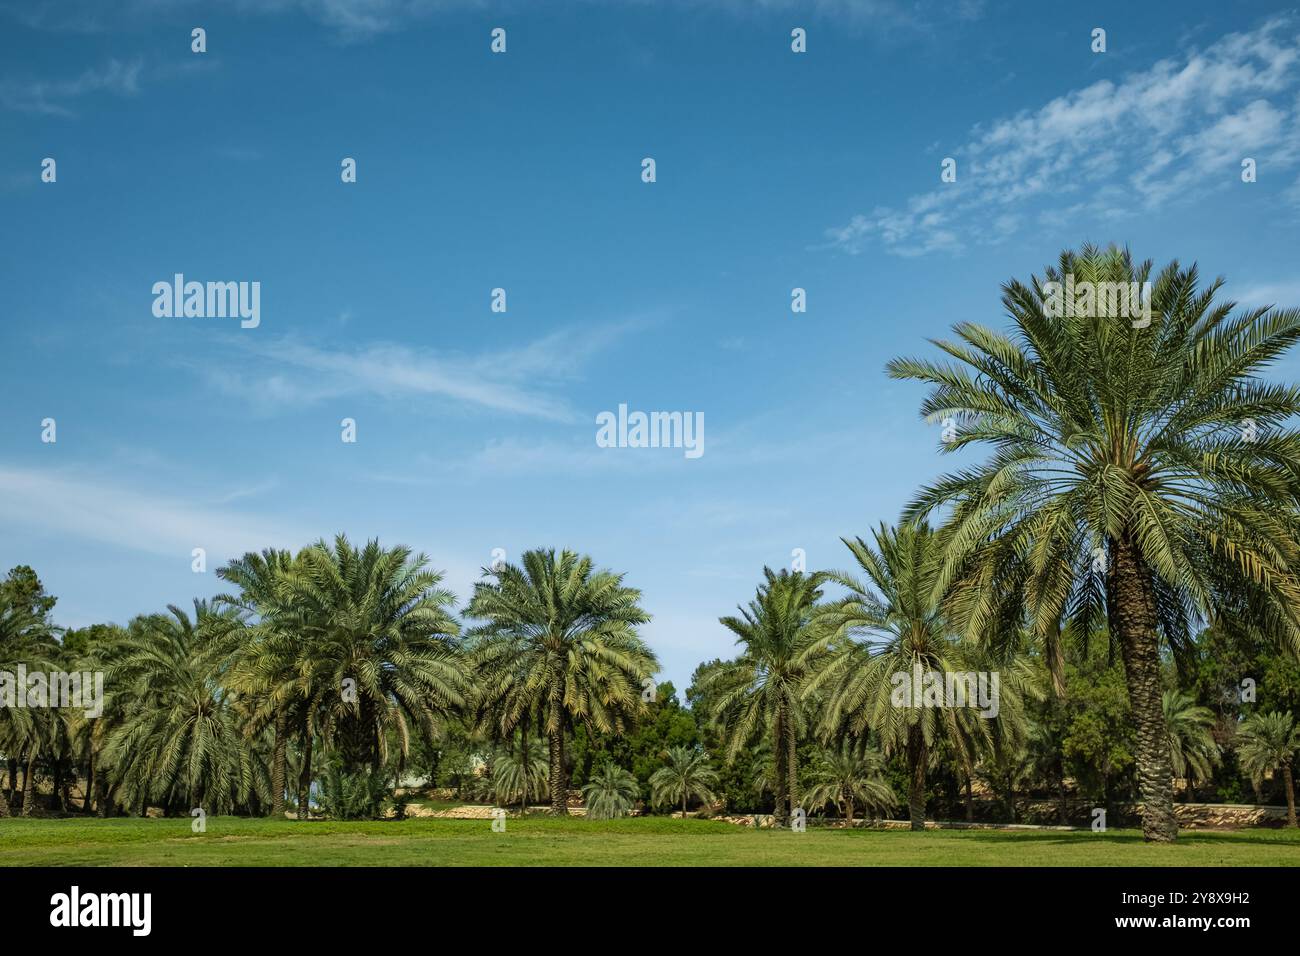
(916, 788)
(4, 805)
(88, 804)
(1132, 618)
(970, 801)
(13, 776)
(304, 778)
(555, 736)
(792, 764)
(848, 811)
(29, 778)
(779, 757)
(1062, 809)
(683, 802)
(1289, 780)
(278, 767)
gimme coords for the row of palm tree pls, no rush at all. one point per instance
(1142, 480)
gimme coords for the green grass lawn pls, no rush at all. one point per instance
(231, 841)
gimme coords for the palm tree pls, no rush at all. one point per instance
(262, 649)
(1140, 469)
(687, 774)
(762, 690)
(902, 631)
(1193, 752)
(559, 642)
(610, 793)
(1267, 744)
(520, 775)
(179, 737)
(26, 638)
(377, 647)
(850, 776)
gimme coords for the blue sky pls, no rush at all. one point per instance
(476, 430)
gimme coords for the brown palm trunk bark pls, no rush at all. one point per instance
(970, 801)
(1132, 618)
(791, 763)
(1289, 781)
(29, 779)
(555, 739)
(304, 777)
(916, 756)
(4, 806)
(779, 771)
(279, 756)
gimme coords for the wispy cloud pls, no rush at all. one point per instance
(82, 507)
(271, 374)
(1109, 150)
(54, 97)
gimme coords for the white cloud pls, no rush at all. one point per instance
(53, 97)
(85, 508)
(1111, 149)
(277, 372)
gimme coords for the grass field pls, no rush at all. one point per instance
(541, 841)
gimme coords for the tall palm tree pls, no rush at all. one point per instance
(377, 648)
(178, 739)
(610, 793)
(1267, 744)
(1139, 469)
(559, 641)
(893, 626)
(1193, 752)
(762, 691)
(686, 774)
(850, 776)
(263, 649)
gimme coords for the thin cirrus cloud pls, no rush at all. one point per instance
(96, 510)
(1109, 150)
(519, 381)
(55, 97)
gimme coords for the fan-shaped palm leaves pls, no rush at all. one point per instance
(558, 641)
(1267, 744)
(1140, 469)
(686, 775)
(610, 793)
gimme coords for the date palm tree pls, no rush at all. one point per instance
(892, 627)
(262, 648)
(687, 774)
(610, 793)
(178, 739)
(1267, 744)
(850, 776)
(1193, 752)
(559, 641)
(520, 774)
(26, 638)
(1141, 470)
(762, 690)
(377, 650)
